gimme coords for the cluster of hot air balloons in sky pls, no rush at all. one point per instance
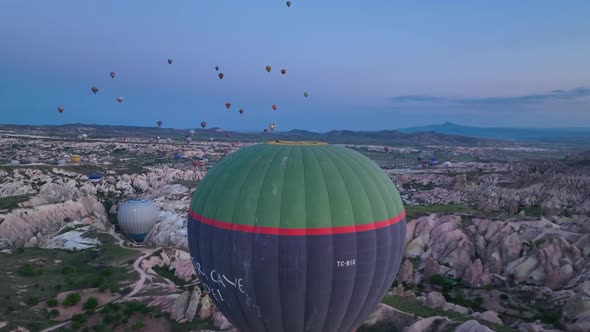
(221, 75)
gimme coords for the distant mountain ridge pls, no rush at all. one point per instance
(382, 137)
(544, 135)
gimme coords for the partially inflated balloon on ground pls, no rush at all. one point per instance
(296, 236)
(137, 217)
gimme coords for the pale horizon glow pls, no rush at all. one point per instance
(367, 66)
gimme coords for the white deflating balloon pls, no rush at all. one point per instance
(137, 217)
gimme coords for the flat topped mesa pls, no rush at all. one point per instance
(296, 143)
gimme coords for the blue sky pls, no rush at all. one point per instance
(368, 65)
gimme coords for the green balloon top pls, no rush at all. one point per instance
(297, 185)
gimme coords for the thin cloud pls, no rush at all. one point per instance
(571, 95)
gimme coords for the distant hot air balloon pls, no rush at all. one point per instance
(306, 94)
(265, 130)
(159, 123)
(228, 105)
(120, 99)
(216, 68)
(113, 74)
(137, 217)
(170, 61)
(203, 124)
(386, 149)
(60, 109)
(241, 111)
(94, 178)
(288, 3)
(75, 159)
(177, 156)
(220, 76)
(274, 107)
(94, 89)
(268, 68)
(272, 126)
(84, 136)
(283, 71)
(158, 138)
(320, 262)
(192, 131)
(210, 139)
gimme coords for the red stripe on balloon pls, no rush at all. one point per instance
(296, 231)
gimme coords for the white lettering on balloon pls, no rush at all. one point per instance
(214, 282)
(346, 263)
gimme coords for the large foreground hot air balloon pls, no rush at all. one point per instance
(296, 236)
(137, 217)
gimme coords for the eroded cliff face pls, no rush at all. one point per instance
(537, 252)
(551, 186)
(62, 209)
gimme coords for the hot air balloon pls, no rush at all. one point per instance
(177, 156)
(75, 159)
(94, 89)
(158, 138)
(94, 178)
(274, 107)
(268, 68)
(170, 61)
(137, 217)
(220, 76)
(241, 111)
(265, 130)
(192, 131)
(386, 149)
(113, 74)
(159, 123)
(288, 3)
(272, 126)
(203, 124)
(283, 71)
(216, 68)
(210, 139)
(84, 136)
(228, 105)
(120, 99)
(60, 109)
(296, 236)
(306, 94)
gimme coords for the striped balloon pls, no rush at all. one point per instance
(137, 217)
(296, 237)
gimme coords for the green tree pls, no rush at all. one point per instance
(90, 304)
(72, 299)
